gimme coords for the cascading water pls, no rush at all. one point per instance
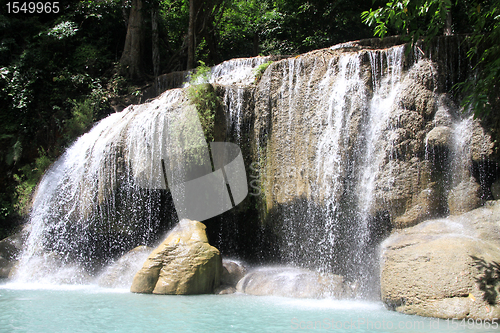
(324, 196)
(386, 87)
(237, 71)
(107, 193)
(234, 104)
(89, 206)
(332, 145)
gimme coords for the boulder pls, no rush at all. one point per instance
(293, 282)
(183, 264)
(225, 290)
(232, 272)
(121, 273)
(445, 268)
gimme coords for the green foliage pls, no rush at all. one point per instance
(27, 178)
(411, 18)
(259, 70)
(83, 114)
(482, 90)
(417, 19)
(252, 27)
(63, 30)
(53, 81)
(201, 74)
(202, 95)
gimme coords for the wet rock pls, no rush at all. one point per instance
(10, 248)
(443, 268)
(464, 197)
(424, 207)
(293, 282)
(183, 264)
(481, 144)
(424, 73)
(495, 189)
(232, 272)
(225, 290)
(439, 137)
(121, 273)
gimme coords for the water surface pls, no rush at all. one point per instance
(38, 308)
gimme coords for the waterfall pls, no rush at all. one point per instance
(92, 205)
(386, 87)
(234, 105)
(237, 71)
(330, 118)
(332, 145)
(107, 193)
(339, 153)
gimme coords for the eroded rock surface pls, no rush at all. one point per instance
(445, 268)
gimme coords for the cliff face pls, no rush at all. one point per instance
(353, 141)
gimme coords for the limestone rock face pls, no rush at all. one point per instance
(464, 197)
(327, 131)
(293, 282)
(121, 273)
(439, 136)
(183, 264)
(445, 268)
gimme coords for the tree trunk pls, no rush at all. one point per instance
(191, 35)
(256, 44)
(447, 29)
(155, 39)
(130, 62)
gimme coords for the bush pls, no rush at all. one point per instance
(259, 70)
(202, 95)
(27, 178)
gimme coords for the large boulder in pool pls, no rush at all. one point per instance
(293, 282)
(120, 274)
(183, 264)
(445, 268)
(232, 272)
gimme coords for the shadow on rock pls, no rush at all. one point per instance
(489, 279)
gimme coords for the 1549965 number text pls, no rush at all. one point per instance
(33, 7)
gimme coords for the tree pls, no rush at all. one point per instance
(412, 19)
(482, 90)
(155, 38)
(131, 58)
(415, 19)
(191, 34)
(204, 17)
